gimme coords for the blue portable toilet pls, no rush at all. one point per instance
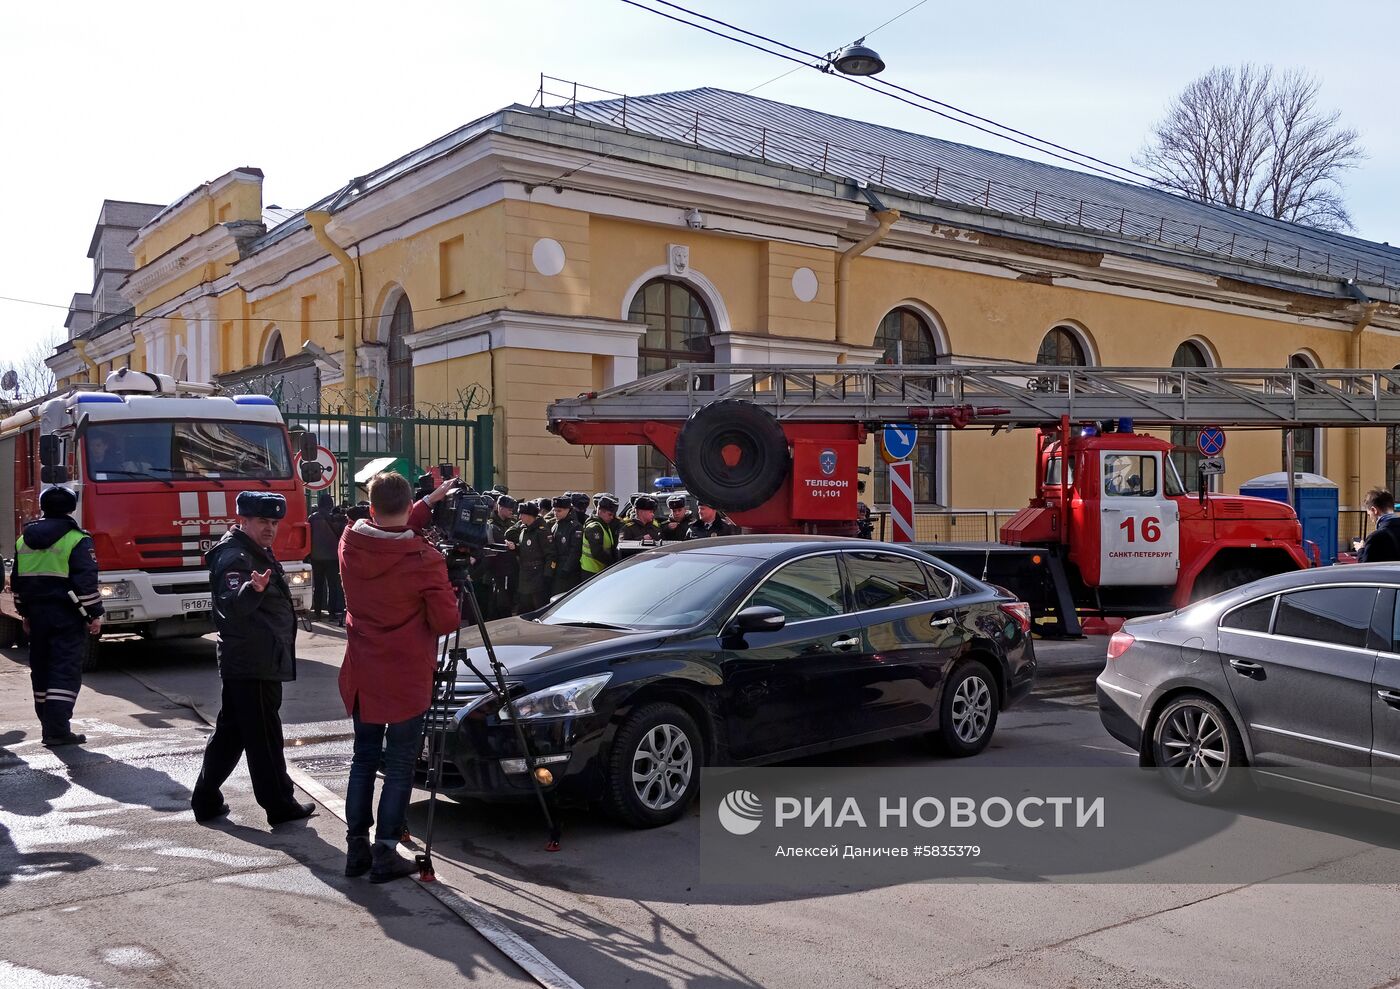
(1315, 501)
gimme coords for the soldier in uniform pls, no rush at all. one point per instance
(565, 547)
(600, 535)
(55, 587)
(580, 502)
(674, 529)
(528, 542)
(504, 567)
(257, 624)
(643, 523)
(710, 524)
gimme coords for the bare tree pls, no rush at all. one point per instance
(1255, 139)
(35, 378)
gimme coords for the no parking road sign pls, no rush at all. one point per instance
(1211, 441)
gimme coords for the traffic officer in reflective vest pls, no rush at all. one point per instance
(257, 623)
(600, 537)
(55, 586)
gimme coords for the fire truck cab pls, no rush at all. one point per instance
(157, 465)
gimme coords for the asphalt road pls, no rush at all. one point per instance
(105, 877)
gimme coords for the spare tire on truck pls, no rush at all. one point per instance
(732, 455)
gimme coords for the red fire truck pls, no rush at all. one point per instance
(1118, 532)
(157, 465)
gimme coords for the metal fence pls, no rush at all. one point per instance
(408, 443)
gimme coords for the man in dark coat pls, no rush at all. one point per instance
(528, 542)
(642, 525)
(710, 524)
(55, 587)
(677, 523)
(257, 624)
(1383, 544)
(326, 526)
(503, 569)
(565, 547)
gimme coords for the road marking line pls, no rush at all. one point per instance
(485, 923)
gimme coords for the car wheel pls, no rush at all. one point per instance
(967, 710)
(1197, 747)
(654, 768)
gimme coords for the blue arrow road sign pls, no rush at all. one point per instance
(899, 440)
(1210, 441)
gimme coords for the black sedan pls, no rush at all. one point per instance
(735, 651)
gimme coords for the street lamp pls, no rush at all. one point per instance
(856, 60)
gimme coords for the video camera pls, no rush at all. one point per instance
(463, 522)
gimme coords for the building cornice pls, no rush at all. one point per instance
(189, 200)
(208, 247)
(527, 331)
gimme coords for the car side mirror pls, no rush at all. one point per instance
(50, 451)
(312, 471)
(310, 445)
(53, 475)
(759, 618)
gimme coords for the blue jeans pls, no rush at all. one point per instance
(396, 746)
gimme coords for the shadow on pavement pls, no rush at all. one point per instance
(28, 792)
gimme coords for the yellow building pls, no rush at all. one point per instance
(538, 253)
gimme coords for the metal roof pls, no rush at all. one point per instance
(941, 171)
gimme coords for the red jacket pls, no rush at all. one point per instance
(397, 601)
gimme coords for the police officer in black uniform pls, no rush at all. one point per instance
(528, 541)
(711, 524)
(677, 523)
(504, 568)
(55, 587)
(565, 547)
(643, 522)
(257, 624)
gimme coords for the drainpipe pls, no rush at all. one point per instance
(94, 372)
(886, 218)
(1368, 312)
(318, 220)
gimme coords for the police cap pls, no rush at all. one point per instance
(645, 503)
(580, 500)
(563, 501)
(506, 501)
(606, 502)
(58, 501)
(530, 508)
(676, 501)
(261, 505)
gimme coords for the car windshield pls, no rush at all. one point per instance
(136, 451)
(668, 590)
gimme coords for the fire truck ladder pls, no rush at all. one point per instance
(1006, 395)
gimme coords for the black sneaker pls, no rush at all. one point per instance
(388, 864)
(67, 738)
(358, 858)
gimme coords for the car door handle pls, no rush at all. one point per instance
(939, 622)
(850, 643)
(1248, 668)
(1391, 697)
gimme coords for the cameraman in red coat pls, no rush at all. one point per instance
(398, 602)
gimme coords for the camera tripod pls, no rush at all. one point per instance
(441, 711)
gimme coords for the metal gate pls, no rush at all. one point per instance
(407, 444)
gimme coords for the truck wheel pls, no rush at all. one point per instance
(732, 455)
(92, 653)
(1224, 580)
(10, 632)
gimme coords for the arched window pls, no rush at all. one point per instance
(1306, 442)
(906, 338)
(275, 350)
(678, 332)
(1185, 453)
(1062, 347)
(400, 370)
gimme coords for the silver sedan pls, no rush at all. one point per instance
(1296, 677)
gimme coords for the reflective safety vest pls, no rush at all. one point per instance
(587, 561)
(49, 562)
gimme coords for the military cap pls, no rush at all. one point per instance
(675, 501)
(58, 501)
(580, 500)
(261, 505)
(563, 501)
(530, 508)
(506, 501)
(606, 502)
(645, 503)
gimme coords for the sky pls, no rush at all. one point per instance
(146, 100)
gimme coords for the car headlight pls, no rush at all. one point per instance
(562, 700)
(117, 590)
(299, 579)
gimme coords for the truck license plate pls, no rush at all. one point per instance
(194, 604)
